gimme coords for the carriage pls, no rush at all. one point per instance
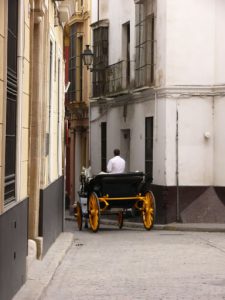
(114, 194)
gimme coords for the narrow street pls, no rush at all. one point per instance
(137, 264)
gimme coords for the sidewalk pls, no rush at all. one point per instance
(40, 272)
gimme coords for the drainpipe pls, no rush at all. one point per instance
(177, 172)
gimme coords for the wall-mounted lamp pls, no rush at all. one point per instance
(87, 56)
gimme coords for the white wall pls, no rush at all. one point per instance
(190, 39)
(219, 156)
(220, 42)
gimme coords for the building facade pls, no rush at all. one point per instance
(77, 36)
(158, 95)
(31, 133)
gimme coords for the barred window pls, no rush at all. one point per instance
(11, 108)
(100, 62)
(72, 64)
(149, 146)
(144, 74)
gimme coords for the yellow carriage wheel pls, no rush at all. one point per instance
(79, 216)
(94, 212)
(148, 212)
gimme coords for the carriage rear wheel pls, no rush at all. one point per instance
(120, 219)
(79, 216)
(94, 212)
(148, 212)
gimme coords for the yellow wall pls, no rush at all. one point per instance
(25, 104)
(57, 38)
(2, 55)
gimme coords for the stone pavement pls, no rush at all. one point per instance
(42, 271)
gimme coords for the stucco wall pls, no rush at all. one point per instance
(190, 39)
(219, 138)
(25, 98)
(56, 34)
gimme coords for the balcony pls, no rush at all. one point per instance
(117, 78)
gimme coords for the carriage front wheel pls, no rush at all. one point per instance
(94, 212)
(148, 212)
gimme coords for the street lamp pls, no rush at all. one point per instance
(87, 56)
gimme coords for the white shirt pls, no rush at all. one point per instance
(116, 165)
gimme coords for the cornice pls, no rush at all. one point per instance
(151, 93)
(79, 17)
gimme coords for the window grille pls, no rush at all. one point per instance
(103, 146)
(75, 92)
(72, 64)
(100, 61)
(11, 107)
(114, 77)
(144, 48)
(149, 146)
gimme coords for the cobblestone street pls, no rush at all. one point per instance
(136, 264)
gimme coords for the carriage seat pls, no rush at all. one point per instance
(118, 185)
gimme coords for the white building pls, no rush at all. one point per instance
(158, 95)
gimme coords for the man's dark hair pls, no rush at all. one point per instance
(116, 152)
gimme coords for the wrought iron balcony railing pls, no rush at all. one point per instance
(116, 78)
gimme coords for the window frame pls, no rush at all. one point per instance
(11, 132)
(145, 46)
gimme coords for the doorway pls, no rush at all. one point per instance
(125, 147)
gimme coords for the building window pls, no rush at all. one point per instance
(72, 64)
(100, 62)
(144, 74)
(103, 146)
(79, 67)
(126, 50)
(11, 109)
(149, 146)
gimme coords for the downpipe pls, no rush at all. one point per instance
(177, 170)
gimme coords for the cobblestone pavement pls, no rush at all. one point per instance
(137, 264)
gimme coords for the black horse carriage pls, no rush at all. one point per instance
(114, 193)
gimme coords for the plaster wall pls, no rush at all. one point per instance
(57, 96)
(219, 42)
(190, 39)
(195, 147)
(219, 138)
(24, 100)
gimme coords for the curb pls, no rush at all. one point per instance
(191, 227)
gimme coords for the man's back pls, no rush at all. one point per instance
(116, 165)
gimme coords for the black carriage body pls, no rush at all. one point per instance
(120, 187)
(114, 193)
